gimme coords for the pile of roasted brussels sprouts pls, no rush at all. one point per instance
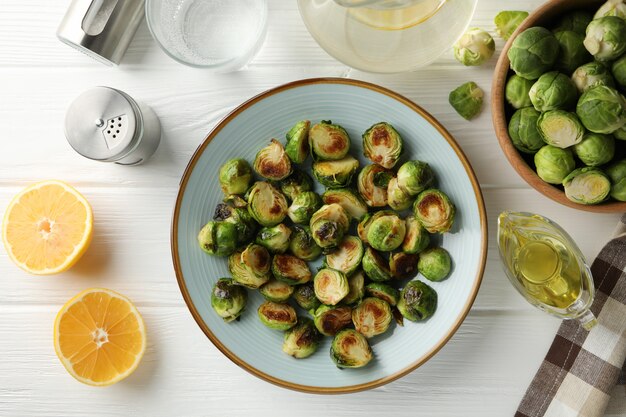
(568, 109)
(270, 228)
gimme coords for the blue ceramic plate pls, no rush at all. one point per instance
(355, 105)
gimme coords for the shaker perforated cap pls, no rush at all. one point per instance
(101, 124)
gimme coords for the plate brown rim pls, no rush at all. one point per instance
(351, 388)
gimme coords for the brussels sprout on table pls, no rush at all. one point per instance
(275, 239)
(415, 176)
(572, 53)
(347, 257)
(382, 145)
(384, 292)
(330, 286)
(602, 109)
(434, 210)
(516, 91)
(328, 226)
(297, 148)
(587, 186)
(612, 8)
(592, 75)
(434, 264)
(386, 232)
(328, 141)
(417, 301)
(553, 91)
(329, 320)
(467, 100)
(350, 349)
(595, 149)
(303, 207)
(235, 176)
(375, 266)
(251, 267)
(560, 128)
(348, 199)
(416, 238)
(474, 48)
(523, 130)
(272, 162)
(606, 38)
(533, 52)
(228, 299)
(266, 204)
(617, 173)
(403, 265)
(277, 316)
(304, 295)
(243, 221)
(576, 21)
(290, 270)
(356, 283)
(298, 182)
(276, 291)
(619, 71)
(554, 164)
(508, 21)
(302, 340)
(372, 317)
(335, 174)
(218, 238)
(372, 194)
(302, 244)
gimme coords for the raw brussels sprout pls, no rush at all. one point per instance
(606, 38)
(350, 349)
(397, 198)
(416, 238)
(415, 176)
(375, 266)
(516, 91)
(372, 194)
(335, 174)
(553, 91)
(277, 316)
(612, 8)
(347, 257)
(467, 100)
(619, 71)
(356, 283)
(560, 128)
(576, 21)
(382, 145)
(533, 52)
(572, 53)
(595, 149)
(272, 162)
(302, 340)
(303, 207)
(348, 199)
(298, 182)
(617, 173)
(305, 296)
(328, 226)
(228, 299)
(602, 109)
(274, 239)
(554, 164)
(592, 75)
(372, 317)
(290, 270)
(403, 265)
(587, 186)
(384, 292)
(508, 21)
(434, 264)
(235, 176)
(330, 286)
(218, 238)
(276, 291)
(266, 204)
(523, 130)
(386, 232)
(245, 224)
(329, 320)
(417, 301)
(475, 47)
(303, 245)
(251, 267)
(297, 148)
(329, 141)
(620, 133)
(434, 210)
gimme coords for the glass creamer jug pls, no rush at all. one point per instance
(386, 36)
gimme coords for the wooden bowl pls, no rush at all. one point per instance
(545, 15)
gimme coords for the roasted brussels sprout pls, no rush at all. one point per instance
(534, 52)
(382, 145)
(251, 267)
(587, 186)
(303, 245)
(373, 195)
(276, 291)
(330, 286)
(619, 71)
(553, 91)
(508, 21)
(275, 239)
(347, 257)
(266, 204)
(290, 270)
(277, 316)
(356, 283)
(397, 198)
(298, 182)
(595, 149)
(474, 48)
(384, 292)
(329, 320)
(350, 349)
(606, 38)
(403, 265)
(328, 141)
(272, 162)
(303, 207)
(228, 299)
(612, 8)
(467, 100)
(245, 224)
(235, 176)
(415, 176)
(592, 75)
(572, 53)
(523, 130)
(235, 201)
(386, 232)
(554, 164)
(516, 92)
(363, 225)
(372, 317)
(416, 238)
(434, 264)
(375, 266)
(348, 199)
(417, 301)
(218, 238)
(302, 340)
(328, 226)
(602, 109)
(560, 128)
(297, 148)
(305, 296)
(576, 21)
(617, 173)
(434, 210)
(335, 174)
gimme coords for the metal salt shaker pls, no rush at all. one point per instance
(107, 125)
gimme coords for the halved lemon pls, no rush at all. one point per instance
(99, 336)
(47, 227)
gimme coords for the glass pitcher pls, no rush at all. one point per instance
(386, 36)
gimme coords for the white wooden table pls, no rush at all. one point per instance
(483, 371)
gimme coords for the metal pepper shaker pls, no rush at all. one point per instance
(107, 125)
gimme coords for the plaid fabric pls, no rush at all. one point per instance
(579, 374)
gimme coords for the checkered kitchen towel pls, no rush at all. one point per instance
(580, 375)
